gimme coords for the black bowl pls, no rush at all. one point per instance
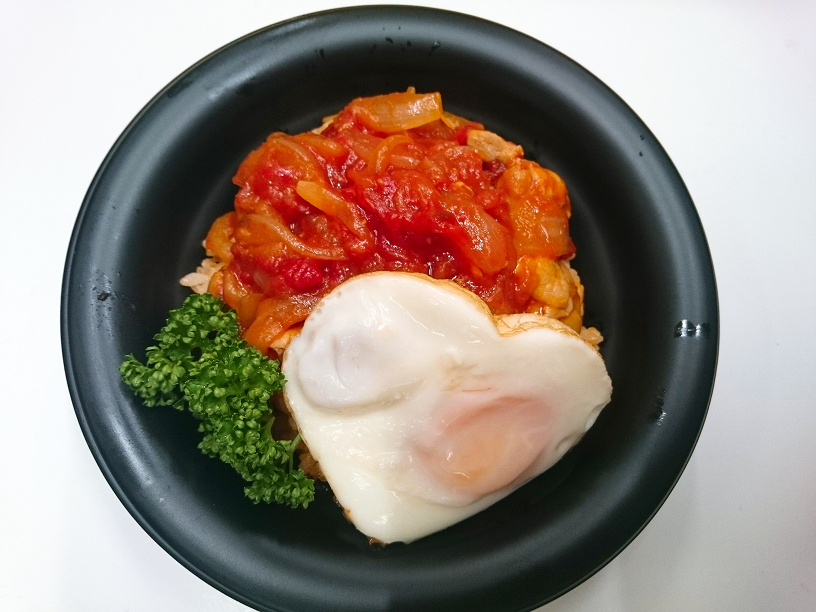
(641, 253)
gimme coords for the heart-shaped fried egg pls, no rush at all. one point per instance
(422, 408)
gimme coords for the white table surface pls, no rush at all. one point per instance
(729, 88)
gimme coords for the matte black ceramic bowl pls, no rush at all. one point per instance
(641, 253)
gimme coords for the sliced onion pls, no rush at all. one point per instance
(331, 203)
(380, 157)
(309, 164)
(274, 316)
(397, 111)
(220, 237)
(488, 241)
(320, 145)
(454, 121)
(263, 228)
(360, 143)
(233, 290)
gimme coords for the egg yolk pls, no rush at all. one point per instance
(482, 447)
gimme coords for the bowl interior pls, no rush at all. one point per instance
(641, 255)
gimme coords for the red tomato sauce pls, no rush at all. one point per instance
(390, 183)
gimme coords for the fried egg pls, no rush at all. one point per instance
(422, 408)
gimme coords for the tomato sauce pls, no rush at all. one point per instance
(390, 183)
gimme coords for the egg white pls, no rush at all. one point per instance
(392, 369)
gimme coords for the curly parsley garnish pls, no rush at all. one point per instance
(202, 364)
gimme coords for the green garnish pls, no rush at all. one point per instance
(202, 364)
